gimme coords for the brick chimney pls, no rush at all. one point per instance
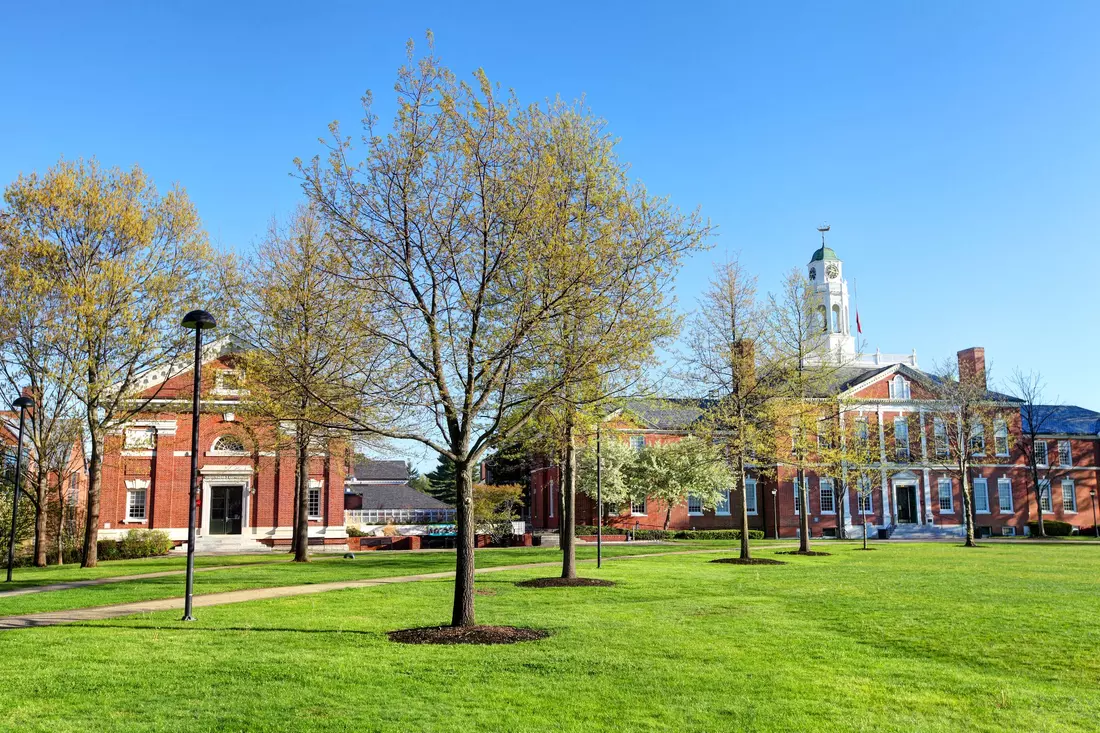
(972, 365)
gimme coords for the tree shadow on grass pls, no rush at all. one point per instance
(191, 629)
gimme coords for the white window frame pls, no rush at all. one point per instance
(698, 502)
(751, 503)
(899, 388)
(863, 431)
(1000, 433)
(637, 442)
(222, 390)
(825, 487)
(723, 507)
(901, 450)
(1046, 494)
(634, 512)
(976, 442)
(949, 496)
(139, 438)
(131, 503)
(940, 444)
(981, 489)
(1045, 453)
(1069, 491)
(1008, 531)
(1004, 490)
(866, 503)
(216, 451)
(1065, 457)
(797, 497)
(315, 485)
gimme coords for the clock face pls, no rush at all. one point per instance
(813, 273)
(832, 271)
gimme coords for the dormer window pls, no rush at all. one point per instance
(899, 388)
(229, 382)
(228, 445)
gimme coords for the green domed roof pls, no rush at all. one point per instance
(824, 253)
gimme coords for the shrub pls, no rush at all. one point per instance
(354, 531)
(139, 543)
(717, 534)
(1052, 527)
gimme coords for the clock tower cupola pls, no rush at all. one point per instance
(826, 274)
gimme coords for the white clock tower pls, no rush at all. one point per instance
(826, 273)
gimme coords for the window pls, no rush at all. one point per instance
(550, 493)
(135, 505)
(1069, 496)
(723, 507)
(981, 496)
(637, 507)
(314, 500)
(866, 496)
(228, 444)
(1065, 454)
(750, 496)
(901, 438)
(947, 501)
(825, 493)
(1008, 531)
(139, 439)
(899, 388)
(1004, 495)
(823, 434)
(863, 433)
(977, 439)
(939, 433)
(797, 498)
(1044, 496)
(695, 505)
(1000, 437)
(74, 490)
(1040, 447)
(836, 319)
(637, 442)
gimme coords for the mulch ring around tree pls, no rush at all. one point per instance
(565, 583)
(467, 635)
(748, 561)
(807, 553)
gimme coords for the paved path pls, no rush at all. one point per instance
(69, 585)
(76, 615)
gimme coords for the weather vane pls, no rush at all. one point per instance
(823, 228)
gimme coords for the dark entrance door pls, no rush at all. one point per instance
(226, 504)
(906, 500)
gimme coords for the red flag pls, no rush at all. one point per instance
(859, 328)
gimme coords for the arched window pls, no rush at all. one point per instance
(899, 388)
(824, 319)
(228, 444)
(836, 319)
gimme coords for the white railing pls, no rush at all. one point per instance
(398, 516)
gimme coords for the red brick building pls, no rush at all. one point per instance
(917, 498)
(247, 483)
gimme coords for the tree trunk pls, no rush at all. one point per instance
(841, 534)
(60, 521)
(462, 613)
(95, 480)
(968, 514)
(40, 516)
(668, 516)
(746, 553)
(301, 528)
(1040, 527)
(864, 518)
(569, 503)
(803, 513)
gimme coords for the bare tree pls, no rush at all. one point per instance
(1037, 417)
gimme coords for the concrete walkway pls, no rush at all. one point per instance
(71, 584)
(77, 615)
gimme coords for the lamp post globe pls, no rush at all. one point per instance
(199, 321)
(21, 403)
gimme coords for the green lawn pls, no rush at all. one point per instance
(273, 570)
(908, 637)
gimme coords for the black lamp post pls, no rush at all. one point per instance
(599, 501)
(22, 403)
(775, 511)
(200, 321)
(1095, 528)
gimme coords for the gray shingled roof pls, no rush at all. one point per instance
(665, 414)
(397, 496)
(371, 470)
(1065, 419)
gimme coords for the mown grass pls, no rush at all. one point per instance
(909, 637)
(278, 571)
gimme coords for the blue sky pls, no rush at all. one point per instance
(953, 147)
